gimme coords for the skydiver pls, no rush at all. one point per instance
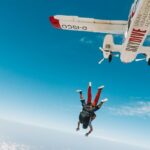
(87, 115)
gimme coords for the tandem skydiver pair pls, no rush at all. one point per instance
(87, 115)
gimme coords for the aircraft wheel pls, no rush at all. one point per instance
(110, 58)
(149, 61)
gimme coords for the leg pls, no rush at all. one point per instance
(89, 94)
(97, 96)
(78, 126)
(91, 129)
(93, 117)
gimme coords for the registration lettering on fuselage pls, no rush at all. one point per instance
(74, 27)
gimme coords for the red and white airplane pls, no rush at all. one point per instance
(135, 31)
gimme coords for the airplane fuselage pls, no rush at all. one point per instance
(135, 31)
(138, 29)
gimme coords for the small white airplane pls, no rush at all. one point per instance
(135, 31)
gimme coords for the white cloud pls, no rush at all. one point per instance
(139, 109)
(86, 40)
(12, 146)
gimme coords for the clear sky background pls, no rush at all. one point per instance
(41, 67)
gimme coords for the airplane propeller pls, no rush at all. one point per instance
(110, 57)
(101, 60)
(140, 59)
(116, 55)
(101, 48)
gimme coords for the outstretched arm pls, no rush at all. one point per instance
(100, 105)
(81, 97)
(78, 126)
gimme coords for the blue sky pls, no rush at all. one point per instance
(41, 67)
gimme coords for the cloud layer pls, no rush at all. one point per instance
(139, 109)
(86, 40)
(12, 146)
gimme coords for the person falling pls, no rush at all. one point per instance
(87, 115)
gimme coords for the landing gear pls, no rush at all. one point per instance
(149, 61)
(110, 58)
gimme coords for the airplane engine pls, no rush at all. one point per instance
(108, 46)
(108, 43)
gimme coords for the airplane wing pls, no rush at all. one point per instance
(88, 24)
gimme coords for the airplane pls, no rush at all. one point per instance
(134, 31)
